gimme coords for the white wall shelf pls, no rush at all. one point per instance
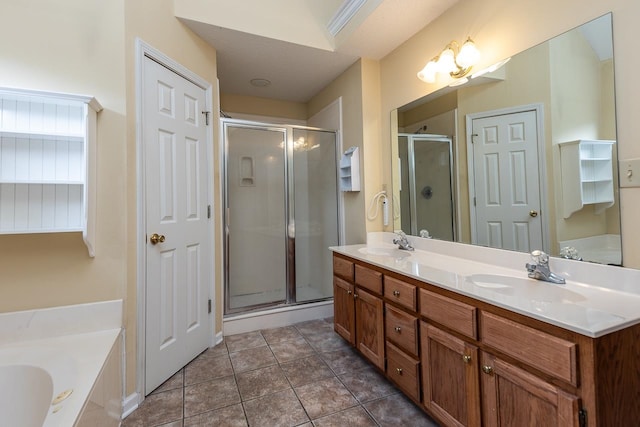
(587, 175)
(47, 163)
(349, 170)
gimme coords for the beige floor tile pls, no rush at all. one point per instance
(244, 341)
(325, 397)
(210, 395)
(306, 370)
(277, 335)
(253, 358)
(313, 327)
(352, 417)
(205, 368)
(157, 409)
(280, 409)
(367, 384)
(260, 382)
(397, 410)
(176, 381)
(229, 416)
(292, 349)
(344, 361)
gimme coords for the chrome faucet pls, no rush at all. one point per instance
(539, 269)
(402, 241)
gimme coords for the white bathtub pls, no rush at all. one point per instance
(35, 371)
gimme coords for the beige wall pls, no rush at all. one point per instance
(87, 47)
(73, 46)
(499, 31)
(348, 86)
(262, 107)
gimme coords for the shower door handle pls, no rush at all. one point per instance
(157, 238)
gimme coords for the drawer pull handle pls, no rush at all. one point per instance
(487, 369)
(466, 358)
(398, 329)
(396, 293)
(399, 371)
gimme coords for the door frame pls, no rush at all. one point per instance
(538, 108)
(145, 50)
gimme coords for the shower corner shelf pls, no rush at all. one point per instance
(47, 163)
(587, 175)
(349, 170)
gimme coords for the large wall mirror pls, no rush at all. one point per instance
(521, 158)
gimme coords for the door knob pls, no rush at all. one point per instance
(156, 238)
(533, 213)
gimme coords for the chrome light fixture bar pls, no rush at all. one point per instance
(455, 60)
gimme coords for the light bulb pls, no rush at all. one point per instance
(446, 62)
(428, 73)
(468, 55)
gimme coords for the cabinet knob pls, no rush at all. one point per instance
(398, 329)
(487, 369)
(466, 358)
(349, 292)
(156, 238)
(396, 293)
(399, 371)
(355, 295)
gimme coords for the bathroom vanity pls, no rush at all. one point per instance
(479, 344)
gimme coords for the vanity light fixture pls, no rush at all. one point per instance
(454, 60)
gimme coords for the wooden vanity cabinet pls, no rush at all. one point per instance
(514, 397)
(358, 312)
(470, 363)
(450, 377)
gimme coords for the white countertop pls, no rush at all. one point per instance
(595, 301)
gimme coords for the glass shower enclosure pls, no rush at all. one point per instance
(281, 214)
(426, 185)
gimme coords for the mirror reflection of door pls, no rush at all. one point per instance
(506, 198)
(426, 195)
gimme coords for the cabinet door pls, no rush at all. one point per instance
(514, 397)
(370, 327)
(344, 310)
(450, 377)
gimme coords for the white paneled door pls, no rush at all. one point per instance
(507, 181)
(178, 247)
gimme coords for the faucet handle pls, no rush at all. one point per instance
(540, 257)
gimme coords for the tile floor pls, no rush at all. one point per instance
(299, 375)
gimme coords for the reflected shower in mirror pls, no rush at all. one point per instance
(520, 158)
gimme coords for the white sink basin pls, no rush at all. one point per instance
(384, 251)
(531, 289)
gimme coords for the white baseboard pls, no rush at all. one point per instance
(276, 318)
(130, 404)
(218, 338)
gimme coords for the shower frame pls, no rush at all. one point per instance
(289, 209)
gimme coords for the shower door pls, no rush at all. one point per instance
(428, 184)
(281, 214)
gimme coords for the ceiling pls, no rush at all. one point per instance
(289, 43)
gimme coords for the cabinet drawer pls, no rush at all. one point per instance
(400, 292)
(453, 314)
(539, 349)
(343, 268)
(369, 279)
(403, 370)
(402, 329)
